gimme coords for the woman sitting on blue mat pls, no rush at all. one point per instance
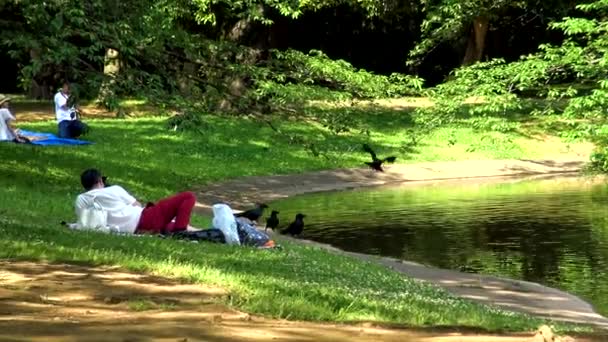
(7, 131)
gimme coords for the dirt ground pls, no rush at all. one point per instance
(49, 302)
(32, 112)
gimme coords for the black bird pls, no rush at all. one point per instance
(376, 163)
(273, 221)
(253, 214)
(296, 227)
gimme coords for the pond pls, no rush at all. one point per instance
(550, 231)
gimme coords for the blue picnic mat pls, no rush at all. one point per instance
(50, 139)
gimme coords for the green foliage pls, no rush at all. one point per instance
(318, 70)
(488, 89)
(497, 89)
(492, 124)
(286, 83)
(206, 11)
(450, 20)
(599, 157)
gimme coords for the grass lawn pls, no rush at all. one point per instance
(39, 186)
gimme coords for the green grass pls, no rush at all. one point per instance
(298, 282)
(39, 186)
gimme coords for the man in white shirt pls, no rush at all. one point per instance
(171, 214)
(67, 118)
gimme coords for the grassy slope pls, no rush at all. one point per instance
(40, 184)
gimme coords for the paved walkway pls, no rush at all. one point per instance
(243, 192)
(509, 294)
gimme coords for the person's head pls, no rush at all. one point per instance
(4, 101)
(92, 179)
(65, 88)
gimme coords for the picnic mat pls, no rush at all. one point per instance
(49, 139)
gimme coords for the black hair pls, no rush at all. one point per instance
(89, 178)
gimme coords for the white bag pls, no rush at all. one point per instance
(93, 217)
(223, 219)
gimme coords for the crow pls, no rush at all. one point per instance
(253, 214)
(273, 221)
(376, 164)
(296, 227)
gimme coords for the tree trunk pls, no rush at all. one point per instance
(239, 31)
(477, 41)
(38, 90)
(249, 33)
(111, 67)
(184, 82)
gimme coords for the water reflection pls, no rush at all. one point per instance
(550, 231)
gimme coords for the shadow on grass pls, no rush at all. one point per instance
(292, 283)
(45, 310)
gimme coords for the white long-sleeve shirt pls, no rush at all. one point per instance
(5, 118)
(122, 210)
(62, 114)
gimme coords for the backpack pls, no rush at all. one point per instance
(250, 236)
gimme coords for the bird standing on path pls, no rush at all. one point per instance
(376, 164)
(253, 214)
(296, 227)
(273, 221)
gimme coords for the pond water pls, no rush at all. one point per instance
(551, 231)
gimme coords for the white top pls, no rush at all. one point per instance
(62, 114)
(118, 204)
(5, 118)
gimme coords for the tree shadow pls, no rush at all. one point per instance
(58, 302)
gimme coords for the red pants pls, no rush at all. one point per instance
(158, 217)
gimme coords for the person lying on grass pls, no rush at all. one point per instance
(8, 132)
(123, 212)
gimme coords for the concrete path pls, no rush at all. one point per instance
(243, 192)
(508, 294)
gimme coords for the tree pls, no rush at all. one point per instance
(450, 20)
(570, 77)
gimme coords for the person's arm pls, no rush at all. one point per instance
(79, 204)
(128, 198)
(61, 101)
